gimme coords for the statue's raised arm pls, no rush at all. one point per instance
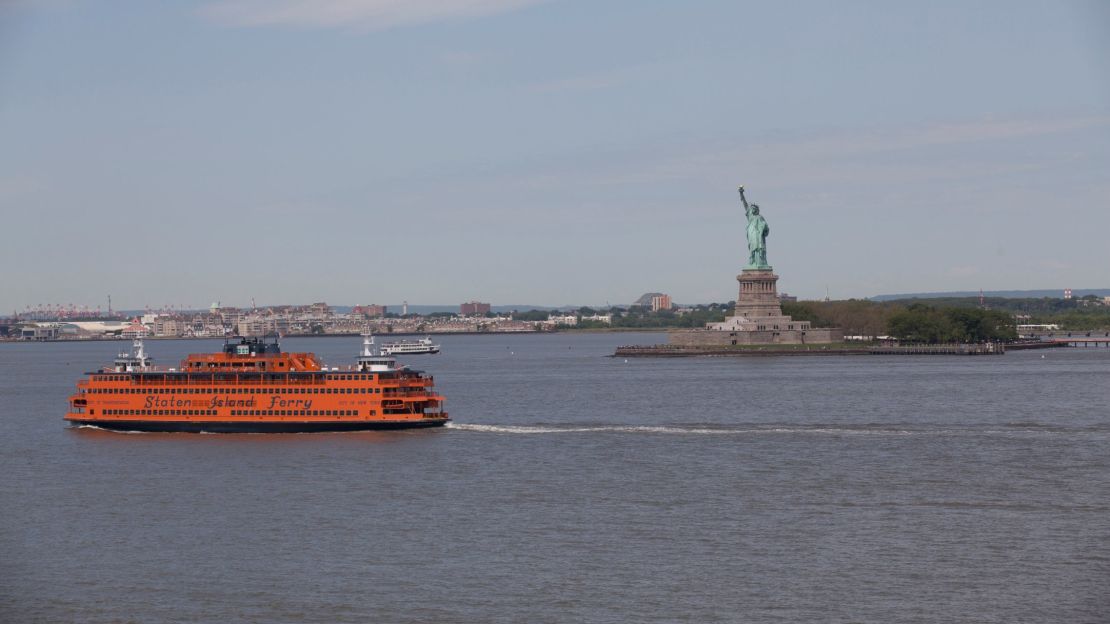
(744, 200)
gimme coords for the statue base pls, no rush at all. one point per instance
(757, 319)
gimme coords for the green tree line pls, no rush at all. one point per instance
(918, 320)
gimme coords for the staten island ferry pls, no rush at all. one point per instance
(253, 387)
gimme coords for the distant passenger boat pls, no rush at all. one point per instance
(409, 347)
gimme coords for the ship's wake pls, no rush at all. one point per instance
(671, 429)
(780, 429)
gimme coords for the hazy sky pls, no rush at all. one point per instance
(549, 153)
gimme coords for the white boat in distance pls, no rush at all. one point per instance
(409, 347)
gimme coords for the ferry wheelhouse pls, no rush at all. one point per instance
(252, 386)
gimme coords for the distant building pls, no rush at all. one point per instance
(645, 299)
(370, 311)
(474, 308)
(787, 298)
(1032, 329)
(135, 330)
(168, 326)
(660, 302)
(569, 320)
(39, 331)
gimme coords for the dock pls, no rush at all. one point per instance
(666, 350)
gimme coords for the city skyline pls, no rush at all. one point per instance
(435, 152)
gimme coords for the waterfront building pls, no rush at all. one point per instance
(474, 308)
(370, 311)
(566, 320)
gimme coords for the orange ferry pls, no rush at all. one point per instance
(253, 387)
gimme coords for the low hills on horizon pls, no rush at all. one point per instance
(1055, 293)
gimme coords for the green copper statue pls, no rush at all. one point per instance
(757, 235)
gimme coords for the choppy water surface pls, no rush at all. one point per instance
(573, 487)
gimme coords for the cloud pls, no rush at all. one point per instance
(363, 14)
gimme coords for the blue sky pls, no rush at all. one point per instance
(549, 153)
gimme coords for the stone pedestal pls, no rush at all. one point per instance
(759, 294)
(757, 319)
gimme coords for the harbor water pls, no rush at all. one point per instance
(575, 487)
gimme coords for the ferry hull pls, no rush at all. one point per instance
(180, 426)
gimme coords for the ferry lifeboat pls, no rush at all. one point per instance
(253, 387)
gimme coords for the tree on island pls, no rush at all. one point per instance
(923, 323)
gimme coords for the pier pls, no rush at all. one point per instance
(670, 350)
(1082, 342)
(990, 348)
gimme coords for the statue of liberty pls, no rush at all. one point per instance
(757, 235)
